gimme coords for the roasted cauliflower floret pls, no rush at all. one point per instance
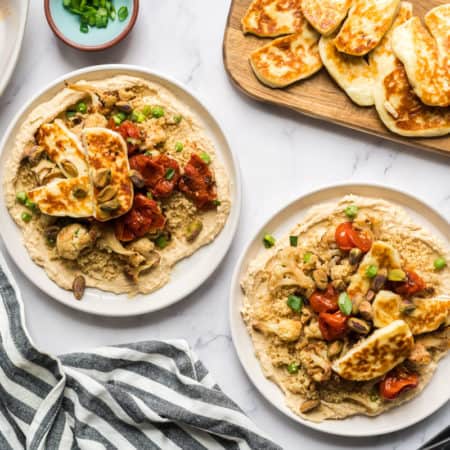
(315, 361)
(143, 246)
(312, 330)
(72, 240)
(95, 120)
(419, 356)
(286, 329)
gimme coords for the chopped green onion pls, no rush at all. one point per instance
(307, 257)
(138, 116)
(440, 263)
(293, 367)
(179, 147)
(345, 304)
(161, 241)
(119, 117)
(205, 157)
(81, 107)
(295, 303)
(30, 205)
(26, 217)
(122, 13)
(178, 118)
(149, 195)
(293, 240)
(147, 110)
(217, 202)
(170, 172)
(22, 197)
(84, 27)
(351, 211)
(268, 241)
(371, 271)
(148, 153)
(157, 112)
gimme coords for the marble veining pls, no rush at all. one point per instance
(282, 155)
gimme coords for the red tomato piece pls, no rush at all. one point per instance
(347, 238)
(412, 285)
(396, 382)
(144, 217)
(130, 132)
(333, 326)
(324, 301)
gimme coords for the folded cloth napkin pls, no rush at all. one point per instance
(148, 395)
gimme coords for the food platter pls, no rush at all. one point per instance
(13, 17)
(435, 395)
(189, 273)
(318, 96)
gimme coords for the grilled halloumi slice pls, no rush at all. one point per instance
(399, 108)
(376, 355)
(352, 73)
(428, 315)
(426, 56)
(382, 256)
(288, 59)
(272, 18)
(109, 169)
(325, 15)
(366, 24)
(70, 196)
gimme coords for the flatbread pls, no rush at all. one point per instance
(272, 18)
(399, 108)
(426, 56)
(288, 59)
(352, 73)
(366, 24)
(325, 15)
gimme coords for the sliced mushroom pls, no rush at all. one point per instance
(151, 262)
(34, 153)
(51, 234)
(320, 277)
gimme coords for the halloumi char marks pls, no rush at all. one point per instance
(325, 15)
(398, 107)
(71, 194)
(366, 24)
(426, 56)
(429, 313)
(353, 74)
(109, 171)
(378, 354)
(272, 18)
(288, 59)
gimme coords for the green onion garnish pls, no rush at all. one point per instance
(122, 13)
(351, 211)
(293, 240)
(295, 303)
(293, 367)
(157, 112)
(268, 240)
(371, 271)
(345, 304)
(307, 257)
(22, 197)
(170, 172)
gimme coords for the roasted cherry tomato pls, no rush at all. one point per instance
(333, 326)
(324, 301)
(397, 381)
(347, 238)
(161, 173)
(129, 131)
(412, 285)
(197, 183)
(144, 217)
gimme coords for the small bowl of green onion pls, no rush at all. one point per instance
(91, 25)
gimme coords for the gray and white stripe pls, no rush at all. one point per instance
(147, 395)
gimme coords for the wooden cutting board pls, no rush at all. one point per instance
(318, 96)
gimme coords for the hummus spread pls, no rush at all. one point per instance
(349, 313)
(181, 190)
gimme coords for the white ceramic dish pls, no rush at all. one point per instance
(13, 17)
(435, 395)
(188, 274)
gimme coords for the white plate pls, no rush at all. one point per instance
(188, 274)
(13, 17)
(435, 395)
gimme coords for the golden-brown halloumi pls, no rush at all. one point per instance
(366, 24)
(352, 73)
(325, 15)
(425, 56)
(288, 59)
(272, 18)
(109, 169)
(428, 315)
(398, 107)
(376, 355)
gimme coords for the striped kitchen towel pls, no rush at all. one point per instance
(148, 395)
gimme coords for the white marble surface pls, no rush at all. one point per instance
(282, 155)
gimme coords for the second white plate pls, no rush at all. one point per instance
(188, 274)
(435, 395)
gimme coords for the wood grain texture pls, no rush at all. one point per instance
(318, 96)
